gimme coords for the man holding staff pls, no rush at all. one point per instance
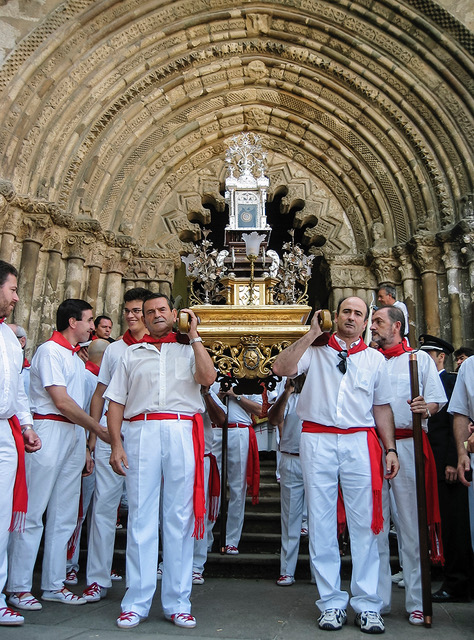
(387, 332)
(155, 403)
(346, 397)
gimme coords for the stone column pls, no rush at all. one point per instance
(27, 278)
(92, 292)
(409, 286)
(113, 300)
(451, 261)
(427, 259)
(74, 273)
(468, 252)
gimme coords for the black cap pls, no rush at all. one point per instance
(432, 343)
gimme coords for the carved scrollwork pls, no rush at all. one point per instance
(250, 359)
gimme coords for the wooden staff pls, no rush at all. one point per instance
(223, 514)
(421, 497)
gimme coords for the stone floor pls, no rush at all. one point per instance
(233, 609)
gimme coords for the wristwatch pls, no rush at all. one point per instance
(238, 398)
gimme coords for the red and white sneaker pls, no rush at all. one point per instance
(231, 550)
(64, 596)
(129, 619)
(285, 581)
(416, 617)
(94, 592)
(71, 577)
(197, 578)
(185, 620)
(24, 600)
(10, 618)
(115, 577)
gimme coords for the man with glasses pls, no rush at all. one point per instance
(346, 397)
(388, 330)
(108, 485)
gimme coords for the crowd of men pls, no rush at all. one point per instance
(144, 413)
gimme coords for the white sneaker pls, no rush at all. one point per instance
(159, 575)
(285, 581)
(185, 620)
(10, 618)
(397, 577)
(129, 619)
(416, 617)
(71, 577)
(370, 622)
(401, 584)
(115, 577)
(197, 578)
(94, 592)
(25, 601)
(332, 619)
(63, 595)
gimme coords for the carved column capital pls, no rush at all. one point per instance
(427, 254)
(384, 265)
(78, 245)
(405, 267)
(451, 256)
(33, 227)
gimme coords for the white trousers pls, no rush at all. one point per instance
(292, 500)
(155, 449)
(53, 476)
(8, 464)
(200, 546)
(403, 488)
(237, 456)
(325, 459)
(103, 518)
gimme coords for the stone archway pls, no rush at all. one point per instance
(115, 118)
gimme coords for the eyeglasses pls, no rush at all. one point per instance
(342, 365)
(136, 312)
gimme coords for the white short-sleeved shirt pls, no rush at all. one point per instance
(462, 400)
(237, 413)
(292, 424)
(54, 365)
(150, 381)
(112, 356)
(430, 385)
(13, 400)
(403, 308)
(341, 400)
(208, 431)
(90, 383)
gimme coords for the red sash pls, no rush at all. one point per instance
(432, 501)
(61, 340)
(20, 491)
(376, 466)
(214, 487)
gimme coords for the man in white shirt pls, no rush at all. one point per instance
(387, 296)
(387, 332)
(242, 450)
(155, 403)
(461, 406)
(16, 433)
(345, 397)
(283, 414)
(54, 473)
(108, 485)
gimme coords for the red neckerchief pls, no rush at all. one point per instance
(92, 367)
(20, 491)
(396, 350)
(2, 320)
(26, 364)
(360, 346)
(129, 339)
(61, 340)
(170, 337)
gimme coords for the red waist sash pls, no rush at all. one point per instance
(376, 466)
(51, 416)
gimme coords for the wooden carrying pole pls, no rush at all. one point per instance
(421, 497)
(223, 514)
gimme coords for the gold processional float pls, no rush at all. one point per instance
(251, 302)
